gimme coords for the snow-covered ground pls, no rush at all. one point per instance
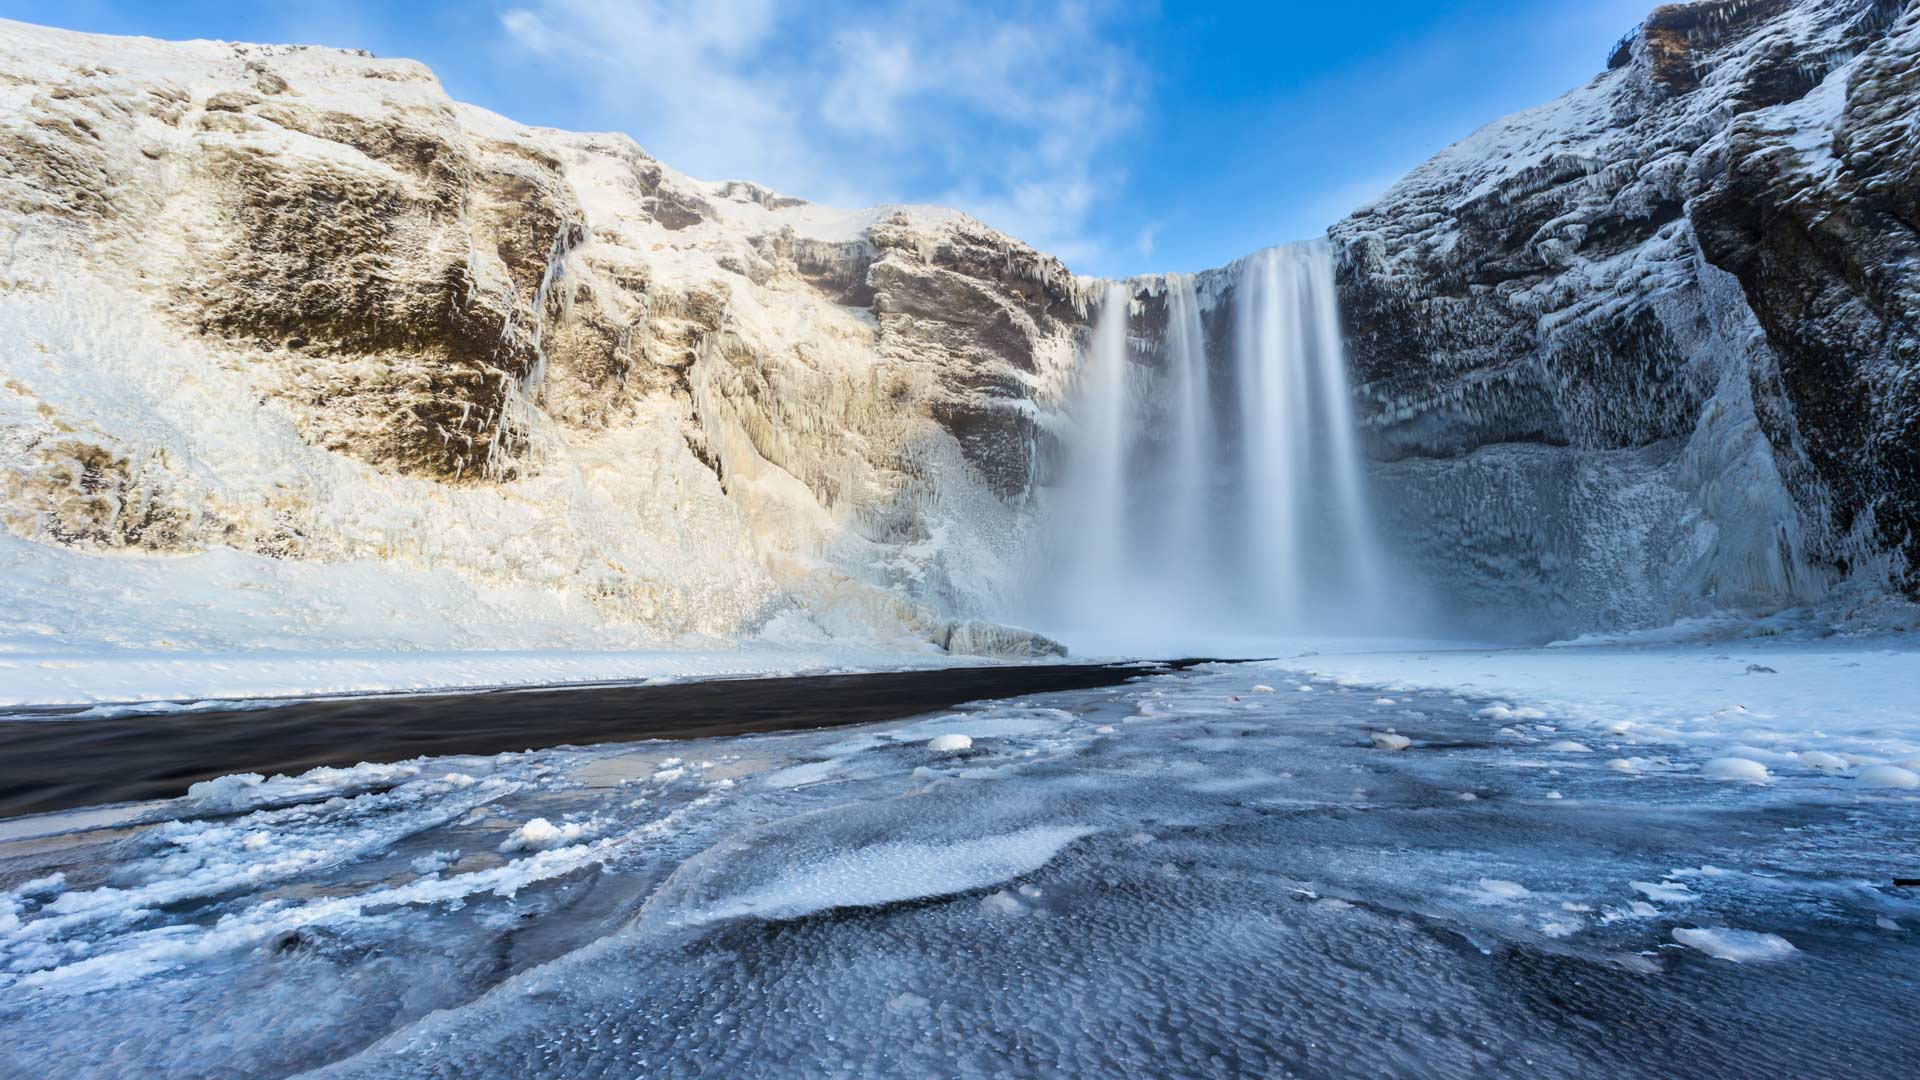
(1237, 870)
(1780, 703)
(225, 625)
(114, 682)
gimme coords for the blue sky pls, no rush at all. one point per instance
(1124, 136)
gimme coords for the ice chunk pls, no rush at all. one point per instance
(973, 637)
(1733, 768)
(1665, 891)
(952, 742)
(1387, 740)
(892, 872)
(1823, 761)
(1739, 946)
(811, 772)
(248, 791)
(1499, 891)
(1888, 776)
(434, 862)
(42, 886)
(1002, 903)
(223, 792)
(540, 834)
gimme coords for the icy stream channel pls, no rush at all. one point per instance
(1223, 872)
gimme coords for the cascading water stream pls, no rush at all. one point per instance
(1098, 488)
(1220, 491)
(1190, 469)
(1364, 566)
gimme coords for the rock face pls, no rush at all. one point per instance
(976, 637)
(1644, 352)
(1651, 349)
(299, 303)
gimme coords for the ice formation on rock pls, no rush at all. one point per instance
(1647, 351)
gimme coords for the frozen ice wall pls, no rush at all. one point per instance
(1213, 486)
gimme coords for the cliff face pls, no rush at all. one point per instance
(298, 303)
(1650, 349)
(1644, 352)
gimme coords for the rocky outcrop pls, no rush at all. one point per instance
(1651, 347)
(976, 637)
(1813, 202)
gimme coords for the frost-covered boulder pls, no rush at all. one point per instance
(974, 637)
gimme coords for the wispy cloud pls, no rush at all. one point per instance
(1014, 113)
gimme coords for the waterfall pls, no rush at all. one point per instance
(1191, 467)
(1215, 489)
(1097, 490)
(1308, 536)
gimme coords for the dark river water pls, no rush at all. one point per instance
(57, 764)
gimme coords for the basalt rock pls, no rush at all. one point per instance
(1599, 308)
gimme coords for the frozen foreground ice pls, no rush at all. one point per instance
(1235, 870)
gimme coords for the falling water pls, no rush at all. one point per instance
(1191, 468)
(1219, 491)
(1098, 486)
(1308, 538)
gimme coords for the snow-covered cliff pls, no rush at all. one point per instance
(295, 334)
(1650, 349)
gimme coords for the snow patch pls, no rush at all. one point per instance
(539, 834)
(1890, 776)
(1733, 768)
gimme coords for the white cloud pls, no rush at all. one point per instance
(1012, 114)
(1144, 242)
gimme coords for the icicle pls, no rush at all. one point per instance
(519, 415)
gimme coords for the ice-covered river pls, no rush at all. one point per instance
(1227, 871)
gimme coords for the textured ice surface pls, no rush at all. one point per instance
(1740, 946)
(1844, 699)
(1181, 876)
